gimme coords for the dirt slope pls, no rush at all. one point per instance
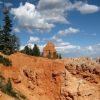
(44, 79)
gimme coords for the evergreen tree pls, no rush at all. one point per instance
(6, 32)
(36, 51)
(49, 55)
(55, 55)
(60, 56)
(1, 39)
(8, 43)
(15, 42)
(26, 50)
(9, 85)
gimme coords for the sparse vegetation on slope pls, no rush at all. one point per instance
(6, 87)
(5, 61)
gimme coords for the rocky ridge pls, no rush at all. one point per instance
(45, 79)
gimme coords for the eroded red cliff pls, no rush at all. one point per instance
(44, 79)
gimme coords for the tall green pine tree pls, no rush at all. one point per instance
(1, 39)
(15, 42)
(8, 43)
(36, 51)
(9, 85)
(6, 32)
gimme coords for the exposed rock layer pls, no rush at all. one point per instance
(50, 47)
(44, 79)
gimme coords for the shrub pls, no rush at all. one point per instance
(5, 61)
(1, 77)
(8, 89)
(22, 96)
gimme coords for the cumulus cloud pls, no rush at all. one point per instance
(87, 9)
(34, 39)
(89, 48)
(66, 47)
(83, 7)
(47, 12)
(30, 19)
(68, 50)
(54, 38)
(59, 40)
(53, 10)
(16, 30)
(8, 4)
(68, 31)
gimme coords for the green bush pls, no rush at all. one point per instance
(22, 96)
(8, 89)
(1, 77)
(5, 61)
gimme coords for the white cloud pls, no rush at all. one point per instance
(68, 50)
(89, 48)
(53, 10)
(53, 38)
(56, 39)
(16, 30)
(47, 12)
(66, 47)
(87, 9)
(70, 7)
(68, 31)
(34, 39)
(83, 7)
(30, 19)
(59, 40)
(94, 34)
(1, 2)
(8, 4)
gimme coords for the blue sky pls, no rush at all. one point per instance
(72, 25)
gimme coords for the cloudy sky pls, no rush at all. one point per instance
(72, 25)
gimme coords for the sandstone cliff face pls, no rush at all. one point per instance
(49, 48)
(44, 79)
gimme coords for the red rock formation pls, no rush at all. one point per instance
(45, 79)
(50, 47)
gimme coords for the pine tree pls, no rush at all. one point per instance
(9, 85)
(6, 32)
(55, 55)
(1, 39)
(26, 50)
(49, 55)
(15, 42)
(8, 43)
(60, 56)
(36, 51)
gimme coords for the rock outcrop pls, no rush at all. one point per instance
(49, 48)
(45, 79)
